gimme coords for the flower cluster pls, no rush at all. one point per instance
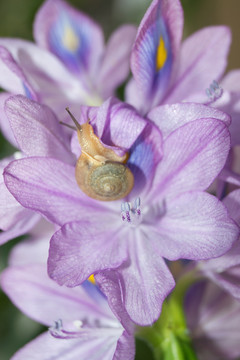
(121, 192)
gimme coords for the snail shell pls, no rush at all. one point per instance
(108, 181)
(100, 173)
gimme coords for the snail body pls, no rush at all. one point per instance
(100, 173)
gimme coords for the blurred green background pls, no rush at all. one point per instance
(16, 21)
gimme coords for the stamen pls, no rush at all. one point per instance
(56, 329)
(127, 211)
(214, 92)
(131, 213)
(78, 126)
(137, 203)
(72, 331)
(58, 324)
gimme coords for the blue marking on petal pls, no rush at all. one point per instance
(142, 156)
(152, 78)
(69, 41)
(27, 91)
(161, 76)
(93, 291)
(141, 163)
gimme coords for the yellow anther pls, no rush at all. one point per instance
(91, 279)
(161, 54)
(70, 39)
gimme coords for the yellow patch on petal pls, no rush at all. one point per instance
(91, 279)
(161, 56)
(70, 39)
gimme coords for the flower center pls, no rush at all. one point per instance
(131, 213)
(70, 40)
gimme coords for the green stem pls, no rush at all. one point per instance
(168, 336)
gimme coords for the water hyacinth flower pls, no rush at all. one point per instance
(69, 64)
(166, 71)
(166, 215)
(213, 322)
(81, 324)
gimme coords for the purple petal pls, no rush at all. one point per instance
(232, 106)
(203, 58)
(225, 270)
(213, 320)
(10, 210)
(146, 153)
(125, 347)
(14, 219)
(120, 124)
(155, 49)
(100, 119)
(195, 226)
(146, 280)
(231, 81)
(48, 186)
(229, 260)
(52, 82)
(42, 299)
(36, 63)
(109, 282)
(12, 77)
(46, 347)
(134, 96)
(4, 122)
(20, 227)
(73, 37)
(227, 175)
(170, 117)
(34, 249)
(117, 124)
(76, 250)
(37, 130)
(194, 154)
(115, 63)
(232, 202)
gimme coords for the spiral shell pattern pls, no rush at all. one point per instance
(106, 182)
(111, 181)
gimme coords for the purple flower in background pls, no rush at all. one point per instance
(166, 71)
(225, 270)
(213, 321)
(69, 64)
(82, 325)
(166, 215)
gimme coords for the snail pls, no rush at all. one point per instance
(100, 173)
